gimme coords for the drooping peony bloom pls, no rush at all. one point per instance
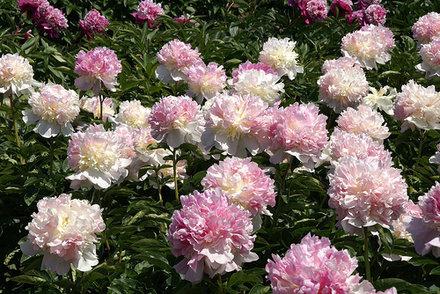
(230, 120)
(97, 158)
(205, 81)
(133, 114)
(427, 28)
(312, 10)
(364, 193)
(418, 106)
(425, 230)
(93, 23)
(341, 7)
(242, 67)
(93, 105)
(342, 85)
(344, 144)
(243, 182)
(177, 120)
(53, 109)
(213, 235)
(64, 231)
(280, 55)
(314, 266)
(174, 57)
(375, 14)
(16, 74)
(364, 120)
(148, 11)
(50, 20)
(381, 99)
(97, 67)
(371, 45)
(31, 5)
(436, 157)
(301, 132)
(430, 54)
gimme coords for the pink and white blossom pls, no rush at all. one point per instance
(16, 74)
(148, 11)
(382, 99)
(430, 54)
(205, 81)
(133, 114)
(375, 14)
(427, 28)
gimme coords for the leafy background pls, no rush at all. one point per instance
(133, 252)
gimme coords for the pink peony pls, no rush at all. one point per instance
(205, 81)
(50, 20)
(64, 231)
(425, 230)
(183, 19)
(174, 57)
(93, 105)
(31, 5)
(427, 28)
(364, 120)
(340, 63)
(430, 54)
(243, 182)
(96, 67)
(312, 10)
(375, 14)
(252, 66)
(341, 7)
(213, 236)
(177, 120)
(364, 193)
(16, 74)
(148, 11)
(93, 23)
(133, 114)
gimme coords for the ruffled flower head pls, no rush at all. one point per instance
(427, 28)
(16, 74)
(382, 99)
(312, 10)
(148, 11)
(93, 23)
(50, 20)
(133, 114)
(205, 81)
(430, 54)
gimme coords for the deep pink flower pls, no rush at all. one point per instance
(342, 7)
(93, 23)
(31, 5)
(375, 14)
(148, 11)
(50, 20)
(312, 10)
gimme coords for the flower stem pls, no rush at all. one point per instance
(176, 188)
(220, 284)
(366, 260)
(14, 121)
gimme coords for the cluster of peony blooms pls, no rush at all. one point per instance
(148, 11)
(94, 23)
(314, 266)
(64, 232)
(16, 75)
(47, 18)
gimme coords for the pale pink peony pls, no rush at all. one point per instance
(97, 157)
(371, 45)
(341, 7)
(425, 230)
(340, 63)
(31, 5)
(64, 231)
(301, 132)
(177, 120)
(93, 105)
(343, 85)
(364, 193)
(418, 106)
(97, 67)
(364, 120)
(93, 23)
(133, 114)
(213, 235)
(53, 109)
(174, 57)
(50, 20)
(375, 14)
(427, 28)
(244, 182)
(430, 54)
(266, 127)
(242, 67)
(314, 266)
(148, 11)
(230, 120)
(205, 81)
(16, 74)
(312, 10)
(124, 134)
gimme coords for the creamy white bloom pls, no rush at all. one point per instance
(16, 74)
(280, 54)
(133, 114)
(381, 99)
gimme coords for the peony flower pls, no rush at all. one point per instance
(425, 230)
(213, 235)
(96, 67)
(174, 57)
(280, 55)
(259, 83)
(64, 232)
(148, 11)
(340, 63)
(31, 5)
(133, 114)
(16, 74)
(364, 193)
(242, 67)
(427, 28)
(230, 120)
(50, 20)
(370, 45)
(301, 132)
(341, 7)
(97, 158)
(177, 120)
(312, 10)
(53, 109)
(146, 148)
(436, 157)
(375, 14)
(266, 127)
(124, 134)
(342, 85)
(205, 81)
(381, 99)
(93, 105)
(418, 106)
(430, 54)
(364, 120)
(183, 19)
(243, 182)
(93, 23)
(314, 266)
